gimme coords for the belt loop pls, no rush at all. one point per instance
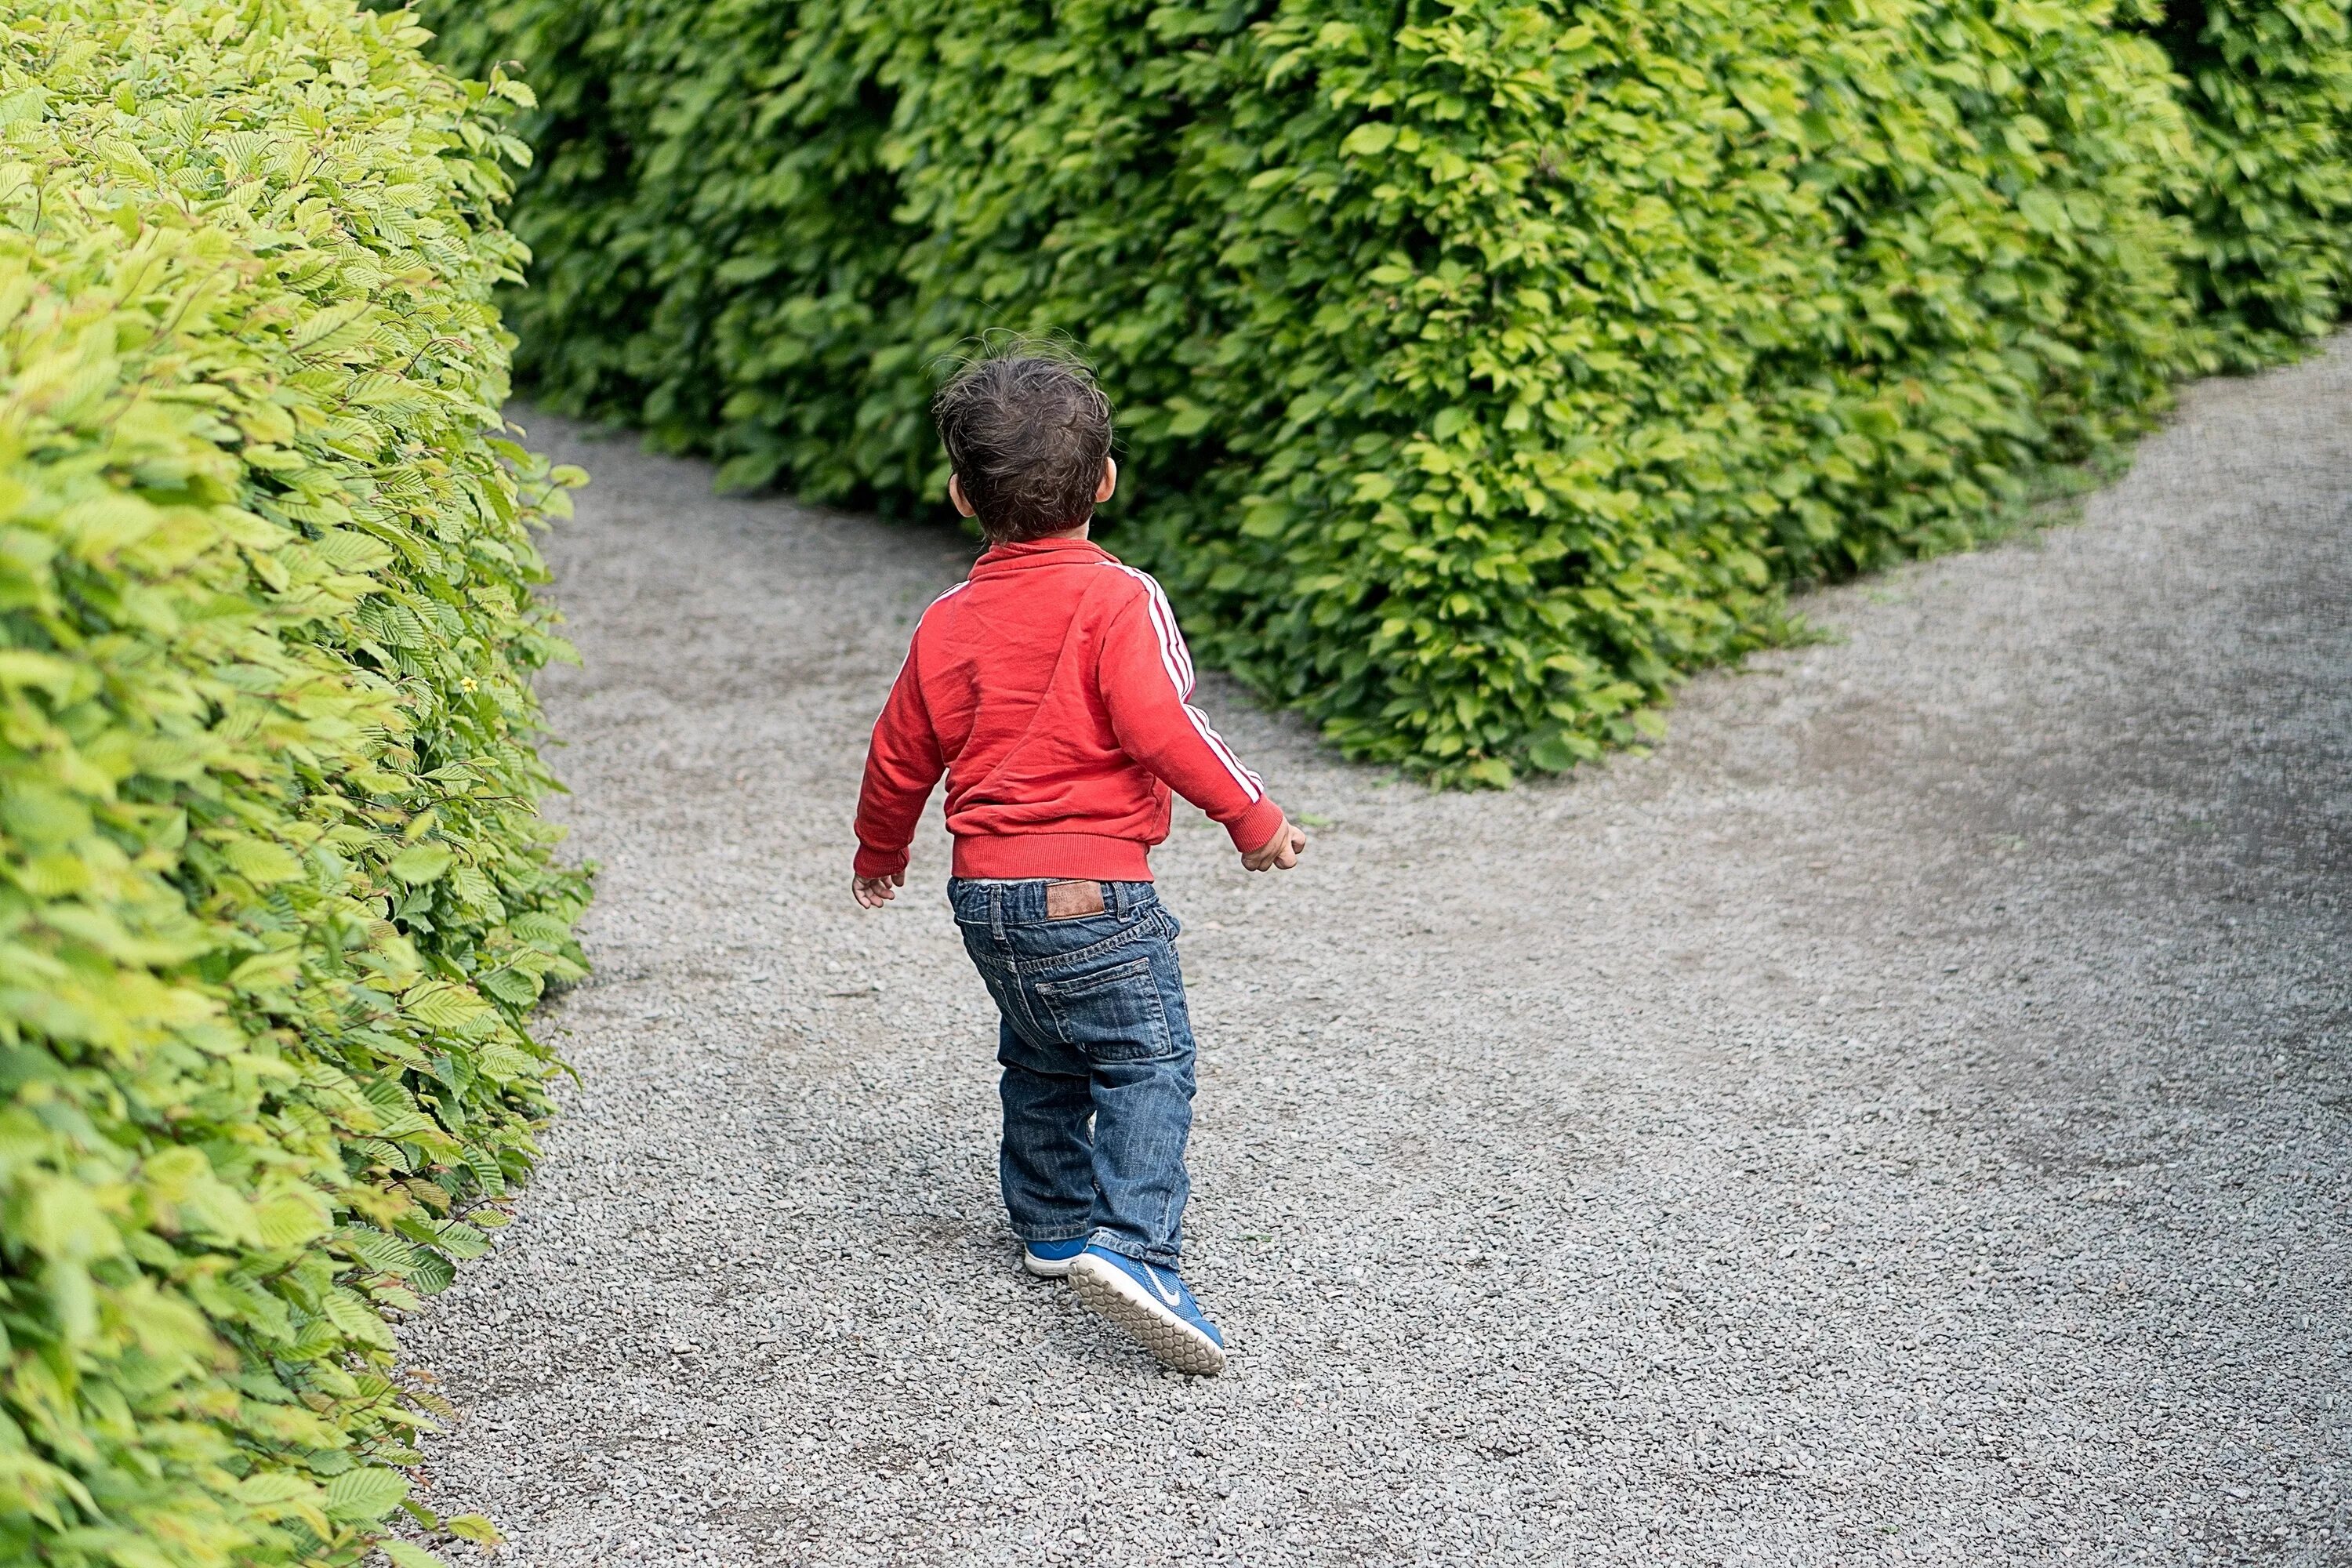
(1122, 898)
(996, 912)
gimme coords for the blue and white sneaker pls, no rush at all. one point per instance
(1050, 1259)
(1153, 1305)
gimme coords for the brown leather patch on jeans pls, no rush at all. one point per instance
(1068, 901)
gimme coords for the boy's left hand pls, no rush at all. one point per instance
(873, 892)
(1279, 853)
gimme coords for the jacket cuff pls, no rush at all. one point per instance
(1253, 828)
(873, 862)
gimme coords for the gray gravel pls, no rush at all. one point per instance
(1906, 1118)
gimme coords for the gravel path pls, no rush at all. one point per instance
(1906, 1118)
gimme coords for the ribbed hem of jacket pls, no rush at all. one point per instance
(1253, 828)
(1086, 857)
(879, 862)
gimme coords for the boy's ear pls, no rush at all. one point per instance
(1104, 490)
(955, 494)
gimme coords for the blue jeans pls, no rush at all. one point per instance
(1092, 1026)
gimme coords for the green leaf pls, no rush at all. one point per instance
(276, 1487)
(433, 1272)
(260, 862)
(21, 668)
(443, 1006)
(463, 1242)
(61, 1218)
(365, 1494)
(421, 863)
(357, 1318)
(290, 1220)
(1552, 755)
(475, 1528)
(509, 986)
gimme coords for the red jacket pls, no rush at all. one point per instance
(1051, 686)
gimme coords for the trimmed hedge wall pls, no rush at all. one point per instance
(273, 894)
(1485, 365)
(2268, 84)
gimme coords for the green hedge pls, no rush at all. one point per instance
(273, 894)
(1486, 366)
(2268, 85)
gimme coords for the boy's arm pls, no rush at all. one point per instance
(902, 764)
(1145, 674)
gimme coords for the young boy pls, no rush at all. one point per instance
(1051, 686)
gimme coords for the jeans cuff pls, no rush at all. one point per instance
(1050, 1233)
(1158, 1257)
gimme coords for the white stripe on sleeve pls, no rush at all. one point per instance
(1177, 660)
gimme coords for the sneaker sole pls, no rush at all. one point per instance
(1110, 1295)
(1047, 1267)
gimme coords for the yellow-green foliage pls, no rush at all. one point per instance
(273, 894)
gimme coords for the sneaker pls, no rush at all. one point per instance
(1050, 1259)
(1153, 1305)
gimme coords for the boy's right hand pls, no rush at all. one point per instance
(1279, 853)
(873, 892)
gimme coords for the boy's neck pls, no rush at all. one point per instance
(1079, 531)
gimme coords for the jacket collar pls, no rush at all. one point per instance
(1029, 553)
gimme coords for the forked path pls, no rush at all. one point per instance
(1906, 1119)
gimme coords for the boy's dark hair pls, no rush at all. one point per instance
(1026, 431)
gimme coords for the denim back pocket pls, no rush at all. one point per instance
(1114, 1014)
